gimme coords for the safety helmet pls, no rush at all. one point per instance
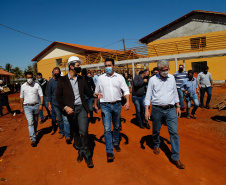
(74, 59)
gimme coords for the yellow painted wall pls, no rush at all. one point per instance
(217, 65)
(46, 66)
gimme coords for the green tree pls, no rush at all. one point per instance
(8, 67)
(1, 68)
(17, 72)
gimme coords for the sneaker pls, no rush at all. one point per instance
(117, 148)
(110, 157)
(89, 162)
(188, 117)
(194, 116)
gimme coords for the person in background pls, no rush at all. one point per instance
(111, 85)
(29, 104)
(138, 96)
(179, 76)
(190, 89)
(4, 99)
(155, 71)
(89, 100)
(64, 126)
(162, 93)
(205, 83)
(44, 84)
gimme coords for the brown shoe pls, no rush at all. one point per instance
(179, 164)
(68, 140)
(61, 136)
(33, 143)
(194, 116)
(156, 151)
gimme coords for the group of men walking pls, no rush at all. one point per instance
(71, 98)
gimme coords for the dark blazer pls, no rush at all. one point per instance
(65, 95)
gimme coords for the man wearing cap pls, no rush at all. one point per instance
(70, 94)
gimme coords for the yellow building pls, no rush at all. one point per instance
(196, 31)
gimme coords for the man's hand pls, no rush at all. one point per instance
(178, 111)
(22, 109)
(127, 106)
(50, 107)
(186, 92)
(145, 80)
(40, 107)
(147, 115)
(96, 108)
(98, 95)
(69, 110)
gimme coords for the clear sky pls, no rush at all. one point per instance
(95, 23)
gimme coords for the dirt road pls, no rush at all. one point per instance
(202, 149)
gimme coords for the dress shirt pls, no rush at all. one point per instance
(162, 91)
(190, 86)
(30, 93)
(204, 79)
(74, 84)
(111, 87)
(179, 77)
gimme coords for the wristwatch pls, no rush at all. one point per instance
(177, 106)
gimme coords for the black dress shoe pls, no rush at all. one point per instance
(141, 125)
(68, 140)
(33, 143)
(110, 157)
(89, 162)
(156, 151)
(79, 158)
(147, 126)
(117, 148)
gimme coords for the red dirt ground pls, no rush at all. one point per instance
(202, 149)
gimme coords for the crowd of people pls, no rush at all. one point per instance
(69, 99)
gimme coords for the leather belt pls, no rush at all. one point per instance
(30, 104)
(111, 103)
(165, 106)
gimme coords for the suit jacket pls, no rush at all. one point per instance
(65, 95)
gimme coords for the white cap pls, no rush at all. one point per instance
(74, 59)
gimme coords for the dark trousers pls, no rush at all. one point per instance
(6, 103)
(202, 94)
(79, 128)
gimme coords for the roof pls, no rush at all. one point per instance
(77, 46)
(2, 72)
(144, 39)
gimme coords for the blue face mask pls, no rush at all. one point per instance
(108, 70)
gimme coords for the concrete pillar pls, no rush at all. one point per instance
(176, 65)
(184, 64)
(133, 70)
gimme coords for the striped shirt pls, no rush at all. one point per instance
(179, 77)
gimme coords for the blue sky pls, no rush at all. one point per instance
(93, 23)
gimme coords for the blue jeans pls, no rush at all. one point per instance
(181, 97)
(31, 113)
(195, 99)
(202, 94)
(90, 103)
(53, 115)
(140, 108)
(170, 116)
(63, 123)
(45, 105)
(111, 113)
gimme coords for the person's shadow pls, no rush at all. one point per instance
(135, 121)
(93, 120)
(121, 135)
(219, 118)
(149, 142)
(2, 150)
(92, 144)
(41, 133)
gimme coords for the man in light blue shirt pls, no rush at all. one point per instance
(162, 93)
(190, 87)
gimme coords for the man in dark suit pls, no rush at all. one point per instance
(70, 94)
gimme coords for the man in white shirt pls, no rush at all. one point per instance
(29, 104)
(111, 85)
(162, 93)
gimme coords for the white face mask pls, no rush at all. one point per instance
(164, 73)
(30, 80)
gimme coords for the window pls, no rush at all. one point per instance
(58, 61)
(197, 67)
(198, 42)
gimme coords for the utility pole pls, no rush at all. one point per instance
(127, 66)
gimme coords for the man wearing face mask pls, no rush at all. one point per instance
(205, 83)
(70, 94)
(111, 85)
(29, 104)
(43, 83)
(162, 93)
(64, 126)
(190, 89)
(180, 76)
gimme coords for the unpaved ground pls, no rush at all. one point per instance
(202, 148)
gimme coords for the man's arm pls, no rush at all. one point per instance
(40, 93)
(211, 81)
(148, 99)
(176, 100)
(21, 105)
